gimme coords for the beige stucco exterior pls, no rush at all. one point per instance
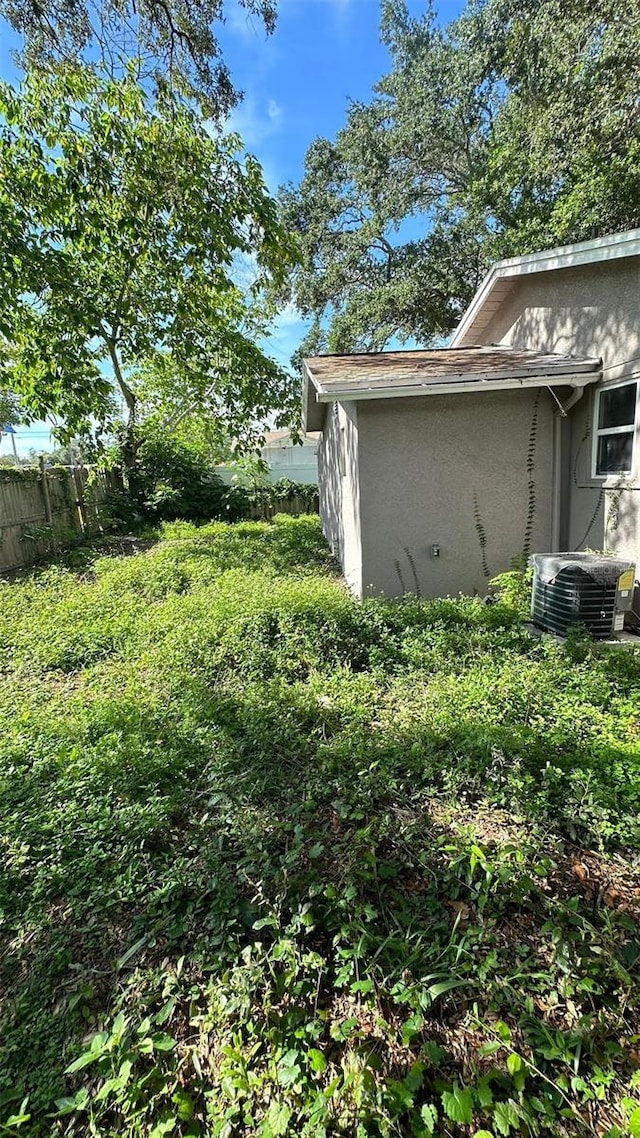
(339, 490)
(489, 475)
(593, 309)
(448, 471)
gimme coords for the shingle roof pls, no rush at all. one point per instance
(273, 438)
(382, 375)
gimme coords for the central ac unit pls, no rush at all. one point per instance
(587, 589)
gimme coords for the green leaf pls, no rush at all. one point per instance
(166, 1011)
(411, 1027)
(317, 1060)
(15, 1121)
(185, 1105)
(414, 1077)
(131, 952)
(82, 1061)
(164, 1127)
(458, 1105)
(362, 986)
(439, 989)
(634, 1124)
(277, 1118)
(429, 1116)
(484, 1092)
(514, 1063)
(66, 1104)
(490, 1047)
(433, 1051)
(118, 1027)
(505, 1117)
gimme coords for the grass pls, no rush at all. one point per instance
(277, 863)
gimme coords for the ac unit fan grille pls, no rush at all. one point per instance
(562, 604)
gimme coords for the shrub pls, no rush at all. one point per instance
(245, 501)
(514, 590)
(170, 481)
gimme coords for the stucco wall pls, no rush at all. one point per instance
(591, 310)
(452, 471)
(339, 490)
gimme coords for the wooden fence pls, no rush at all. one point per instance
(296, 505)
(42, 510)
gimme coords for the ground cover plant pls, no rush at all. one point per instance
(277, 863)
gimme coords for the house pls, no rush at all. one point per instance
(438, 468)
(284, 458)
(299, 461)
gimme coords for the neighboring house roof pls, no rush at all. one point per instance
(504, 275)
(283, 438)
(384, 375)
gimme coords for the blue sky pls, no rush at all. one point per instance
(297, 84)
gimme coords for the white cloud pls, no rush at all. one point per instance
(239, 20)
(274, 114)
(255, 120)
(289, 318)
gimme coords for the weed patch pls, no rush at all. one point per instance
(278, 863)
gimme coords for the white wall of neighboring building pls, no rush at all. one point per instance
(298, 463)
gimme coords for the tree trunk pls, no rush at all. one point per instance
(129, 441)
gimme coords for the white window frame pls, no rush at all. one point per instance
(597, 432)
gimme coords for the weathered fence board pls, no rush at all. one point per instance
(43, 509)
(295, 505)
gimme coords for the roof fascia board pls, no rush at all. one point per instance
(609, 248)
(580, 379)
(310, 400)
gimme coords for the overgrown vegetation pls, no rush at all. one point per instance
(275, 862)
(247, 501)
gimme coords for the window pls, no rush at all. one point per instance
(615, 429)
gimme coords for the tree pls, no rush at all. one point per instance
(513, 128)
(390, 243)
(170, 40)
(124, 222)
(565, 151)
(9, 409)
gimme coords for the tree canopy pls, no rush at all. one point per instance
(122, 222)
(514, 128)
(166, 40)
(9, 409)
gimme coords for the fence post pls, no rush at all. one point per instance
(46, 497)
(77, 474)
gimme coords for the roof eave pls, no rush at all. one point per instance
(312, 412)
(576, 380)
(611, 247)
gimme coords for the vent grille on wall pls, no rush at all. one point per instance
(585, 589)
